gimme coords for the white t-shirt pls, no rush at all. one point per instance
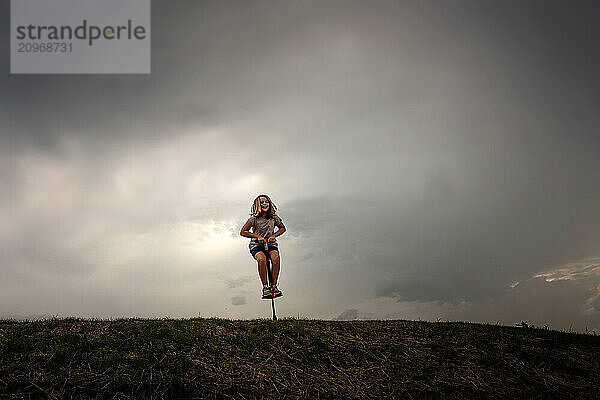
(265, 227)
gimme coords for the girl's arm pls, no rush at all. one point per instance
(246, 232)
(279, 232)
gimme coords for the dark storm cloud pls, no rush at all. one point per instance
(546, 49)
(521, 191)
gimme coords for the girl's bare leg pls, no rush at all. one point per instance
(276, 262)
(262, 266)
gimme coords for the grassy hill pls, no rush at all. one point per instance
(290, 358)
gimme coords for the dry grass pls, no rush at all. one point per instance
(289, 358)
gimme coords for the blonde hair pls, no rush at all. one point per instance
(255, 209)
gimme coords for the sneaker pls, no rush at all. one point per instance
(267, 293)
(276, 292)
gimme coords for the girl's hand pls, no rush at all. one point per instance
(271, 239)
(261, 239)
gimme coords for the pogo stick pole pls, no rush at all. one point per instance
(270, 278)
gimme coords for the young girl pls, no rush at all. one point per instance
(263, 221)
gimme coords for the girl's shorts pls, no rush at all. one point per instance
(262, 248)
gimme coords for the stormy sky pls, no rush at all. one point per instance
(431, 160)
